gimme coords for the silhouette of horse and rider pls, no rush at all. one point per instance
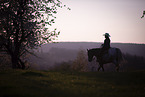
(106, 54)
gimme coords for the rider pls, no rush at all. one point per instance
(106, 45)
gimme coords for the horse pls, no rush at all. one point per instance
(114, 55)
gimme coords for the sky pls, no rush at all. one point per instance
(88, 20)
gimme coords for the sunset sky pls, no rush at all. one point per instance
(88, 20)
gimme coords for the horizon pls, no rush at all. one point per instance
(94, 42)
(55, 42)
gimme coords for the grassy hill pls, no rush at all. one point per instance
(30, 83)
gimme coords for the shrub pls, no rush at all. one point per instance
(80, 63)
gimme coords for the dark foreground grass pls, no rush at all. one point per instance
(19, 83)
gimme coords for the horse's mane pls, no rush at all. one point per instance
(94, 51)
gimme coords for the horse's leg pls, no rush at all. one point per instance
(102, 67)
(117, 67)
(99, 67)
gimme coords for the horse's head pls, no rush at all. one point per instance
(90, 55)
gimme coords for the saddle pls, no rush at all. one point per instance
(105, 54)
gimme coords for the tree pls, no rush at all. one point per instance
(24, 26)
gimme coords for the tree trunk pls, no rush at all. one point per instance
(15, 63)
(21, 63)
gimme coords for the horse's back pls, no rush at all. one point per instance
(112, 51)
(116, 52)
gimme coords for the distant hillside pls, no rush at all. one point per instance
(133, 49)
(56, 53)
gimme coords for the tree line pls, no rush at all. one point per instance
(130, 63)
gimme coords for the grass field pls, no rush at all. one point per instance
(31, 83)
